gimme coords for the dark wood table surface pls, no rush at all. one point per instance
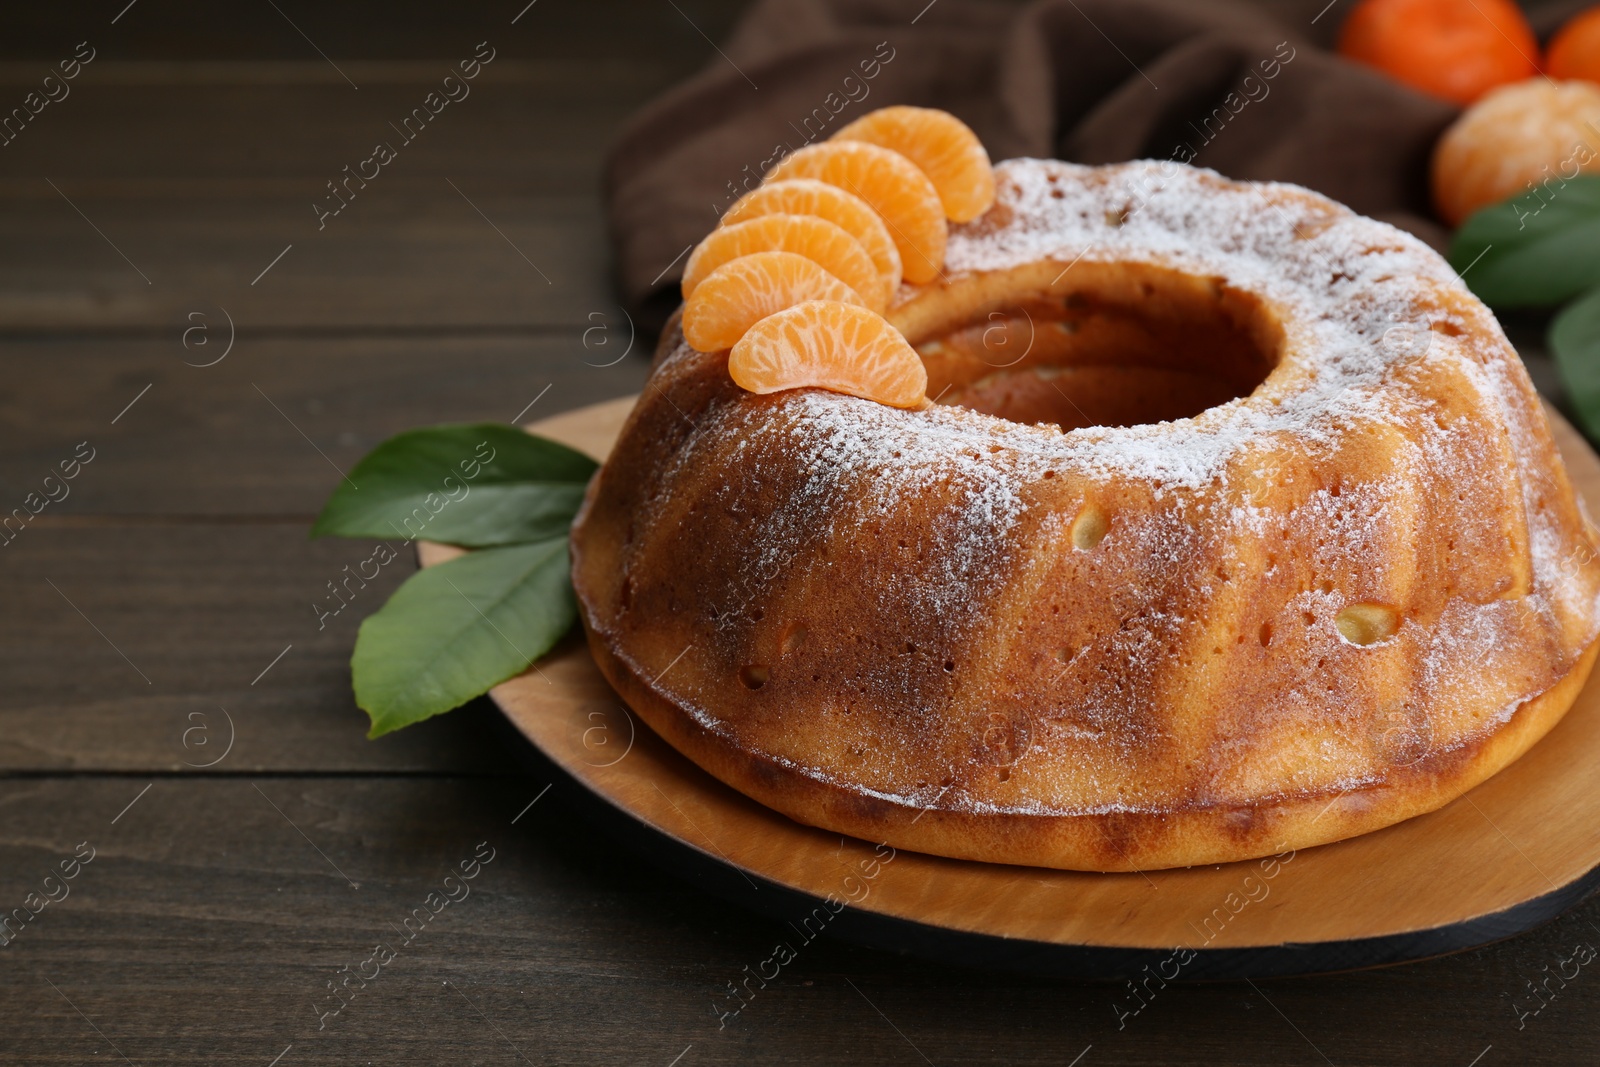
(160, 617)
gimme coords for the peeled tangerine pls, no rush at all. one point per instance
(819, 240)
(807, 196)
(743, 291)
(942, 147)
(895, 188)
(830, 345)
(1516, 138)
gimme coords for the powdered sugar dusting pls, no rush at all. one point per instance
(1340, 282)
(1360, 303)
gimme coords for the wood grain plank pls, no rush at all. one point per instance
(227, 439)
(489, 216)
(428, 260)
(368, 29)
(209, 921)
(540, 122)
(118, 642)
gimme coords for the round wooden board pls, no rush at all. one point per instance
(1509, 855)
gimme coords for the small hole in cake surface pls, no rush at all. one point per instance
(949, 666)
(1266, 634)
(1114, 344)
(1367, 624)
(754, 675)
(794, 635)
(1089, 528)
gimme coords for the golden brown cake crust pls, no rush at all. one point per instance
(1334, 603)
(1122, 841)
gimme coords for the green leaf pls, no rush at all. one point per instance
(474, 484)
(1534, 250)
(453, 631)
(1575, 341)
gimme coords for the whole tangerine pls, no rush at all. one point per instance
(1575, 50)
(1537, 134)
(1454, 49)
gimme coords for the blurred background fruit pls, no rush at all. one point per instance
(1575, 50)
(1454, 49)
(1536, 134)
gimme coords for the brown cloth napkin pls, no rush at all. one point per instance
(1250, 91)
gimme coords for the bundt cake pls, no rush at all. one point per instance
(1235, 526)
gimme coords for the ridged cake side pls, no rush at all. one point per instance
(1112, 648)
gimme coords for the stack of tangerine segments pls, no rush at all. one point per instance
(796, 277)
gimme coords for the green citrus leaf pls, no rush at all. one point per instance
(1575, 341)
(1534, 250)
(475, 484)
(453, 631)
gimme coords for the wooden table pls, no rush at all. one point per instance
(165, 606)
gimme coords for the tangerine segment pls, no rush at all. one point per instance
(1575, 51)
(894, 186)
(830, 345)
(942, 146)
(743, 291)
(1455, 49)
(807, 196)
(819, 240)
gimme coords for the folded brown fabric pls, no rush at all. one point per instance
(1250, 91)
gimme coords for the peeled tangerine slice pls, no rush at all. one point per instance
(894, 186)
(807, 196)
(743, 291)
(829, 345)
(945, 149)
(819, 240)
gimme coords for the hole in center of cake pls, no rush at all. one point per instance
(1124, 346)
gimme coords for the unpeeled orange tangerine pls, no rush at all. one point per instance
(808, 196)
(743, 291)
(942, 146)
(819, 240)
(1455, 49)
(896, 188)
(1575, 50)
(825, 344)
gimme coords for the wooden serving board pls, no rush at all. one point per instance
(1509, 855)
